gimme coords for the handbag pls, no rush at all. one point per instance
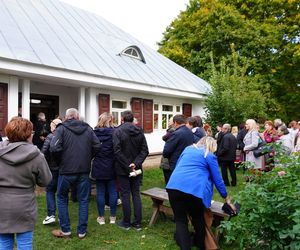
(260, 150)
(228, 209)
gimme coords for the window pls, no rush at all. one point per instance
(117, 107)
(165, 120)
(163, 113)
(167, 108)
(133, 52)
(155, 121)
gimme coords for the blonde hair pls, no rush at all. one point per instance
(54, 124)
(209, 144)
(252, 124)
(234, 130)
(104, 120)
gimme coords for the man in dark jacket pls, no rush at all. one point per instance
(180, 138)
(131, 149)
(226, 154)
(75, 143)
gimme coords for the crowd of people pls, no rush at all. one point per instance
(70, 154)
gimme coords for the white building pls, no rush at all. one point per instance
(54, 56)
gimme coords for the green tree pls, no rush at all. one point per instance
(267, 33)
(236, 96)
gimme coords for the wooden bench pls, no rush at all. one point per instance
(159, 196)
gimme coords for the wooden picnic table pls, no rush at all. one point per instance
(160, 195)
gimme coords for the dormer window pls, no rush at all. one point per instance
(133, 52)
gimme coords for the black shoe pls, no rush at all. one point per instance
(136, 226)
(122, 225)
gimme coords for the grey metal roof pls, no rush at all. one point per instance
(55, 34)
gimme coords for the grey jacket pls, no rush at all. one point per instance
(22, 167)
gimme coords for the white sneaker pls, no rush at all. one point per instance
(101, 220)
(112, 219)
(119, 202)
(49, 220)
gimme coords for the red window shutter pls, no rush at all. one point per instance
(3, 107)
(137, 109)
(187, 109)
(148, 116)
(103, 103)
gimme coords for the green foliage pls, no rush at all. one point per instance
(270, 209)
(267, 33)
(236, 96)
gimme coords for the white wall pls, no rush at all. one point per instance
(154, 139)
(68, 97)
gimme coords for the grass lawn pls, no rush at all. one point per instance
(160, 236)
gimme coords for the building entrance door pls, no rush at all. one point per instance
(47, 104)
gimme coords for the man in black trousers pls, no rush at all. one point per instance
(131, 149)
(226, 154)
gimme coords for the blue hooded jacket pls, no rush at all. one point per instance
(195, 174)
(103, 164)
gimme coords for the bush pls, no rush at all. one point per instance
(270, 209)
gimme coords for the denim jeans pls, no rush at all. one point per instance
(110, 186)
(50, 194)
(83, 185)
(131, 185)
(24, 241)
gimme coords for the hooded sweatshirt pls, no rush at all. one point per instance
(75, 144)
(130, 146)
(22, 167)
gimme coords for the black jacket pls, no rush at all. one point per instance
(48, 155)
(180, 138)
(76, 144)
(240, 138)
(227, 148)
(41, 128)
(130, 146)
(103, 163)
(198, 133)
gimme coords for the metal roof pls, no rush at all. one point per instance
(54, 34)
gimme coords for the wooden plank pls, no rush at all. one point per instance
(162, 195)
(158, 193)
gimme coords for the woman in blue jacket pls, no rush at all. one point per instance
(103, 168)
(190, 189)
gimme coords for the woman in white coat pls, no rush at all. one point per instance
(251, 141)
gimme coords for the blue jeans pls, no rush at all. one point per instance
(131, 185)
(24, 241)
(110, 186)
(50, 194)
(83, 185)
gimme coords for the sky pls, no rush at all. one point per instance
(146, 20)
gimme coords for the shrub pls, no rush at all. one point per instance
(270, 209)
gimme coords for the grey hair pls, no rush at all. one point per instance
(42, 116)
(227, 126)
(72, 113)
(278, 122)
(284, 129)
